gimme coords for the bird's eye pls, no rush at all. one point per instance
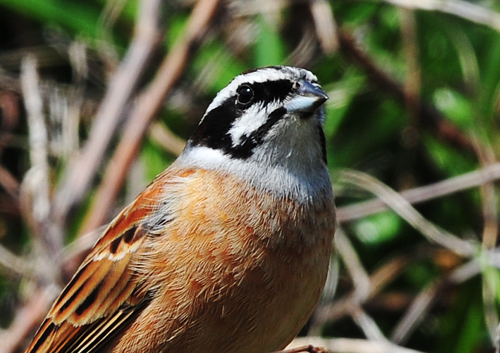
(245, 94)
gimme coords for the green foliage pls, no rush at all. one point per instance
(378, 228)
(269, 47)
(75, 16)
(462, 327)
(369, 127)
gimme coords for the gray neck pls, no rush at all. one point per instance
(281, 171)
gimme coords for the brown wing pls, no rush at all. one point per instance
(105, 294)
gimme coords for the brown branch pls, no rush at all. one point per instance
(412, 81)
(167, 139)
(145, 109)
(82, 169)
(9, 183)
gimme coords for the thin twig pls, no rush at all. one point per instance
(326, 28)
(464, 9)
(490, 307)
(35, 199)
(9, 183)
(166, 138)
(367, 324)
(346, 345)
(378, 280)
(404, 209)
(38, 141)
(145, 109)
(415, 313)
(360, 278)
(82, 169)
(489, 199)
(424, 193)
(412, 76)
(14, 264)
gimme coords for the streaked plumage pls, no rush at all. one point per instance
(227, 250)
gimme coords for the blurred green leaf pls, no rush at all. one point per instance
(79, 17)
(216, 61)
(269, 48)
(155, 159)
(454, 106)
(378, 228)
(341, 95)
(451, 161)
(462, 328)
(420, 275)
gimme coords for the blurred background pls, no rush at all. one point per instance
(97, 97)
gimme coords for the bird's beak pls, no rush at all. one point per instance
(307, 100)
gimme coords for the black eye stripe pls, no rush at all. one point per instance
(265, 92)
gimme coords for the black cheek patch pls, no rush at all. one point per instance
(213, 130)
(245, 149)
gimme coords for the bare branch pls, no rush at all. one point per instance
(367, 325)
(464, 9)
(14, 264)
(145, 110)
(378, 280)
(38, 141)
(35, 199)
(326, 28)
(166, 138)
(415, 313)
(360, 278)
(403, 208)
(82, 169)
(424, 193)
(9, 183)
(346, 345)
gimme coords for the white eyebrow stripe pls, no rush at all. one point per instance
(258, 76)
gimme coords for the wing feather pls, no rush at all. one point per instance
(106, 293)
(102, 296)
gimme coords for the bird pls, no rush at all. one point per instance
(227, 250)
